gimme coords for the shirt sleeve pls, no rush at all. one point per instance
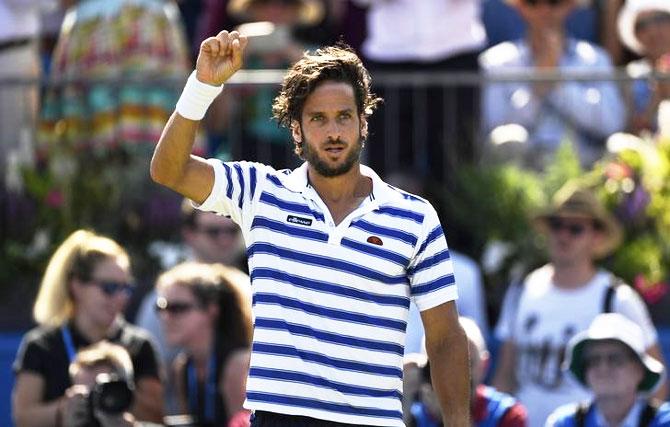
(431, 272)
(31, 357)
(237, 186)
(631, 305)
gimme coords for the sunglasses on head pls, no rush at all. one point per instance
(549, 2)
(556, 224)
(112, 287)
(644, 22)
(173, 307)
(213, 232)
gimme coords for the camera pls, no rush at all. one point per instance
(111, 395)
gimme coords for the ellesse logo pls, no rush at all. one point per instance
(375, 241)
(298, 220)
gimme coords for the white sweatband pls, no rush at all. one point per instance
(196, 98)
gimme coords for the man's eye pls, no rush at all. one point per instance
(316, 118)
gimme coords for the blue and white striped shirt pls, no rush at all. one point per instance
(331, 301)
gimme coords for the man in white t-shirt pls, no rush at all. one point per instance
(559, 300)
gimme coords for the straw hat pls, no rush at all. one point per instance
(310, 12)
(614, 327)
(575, 202)
(628, 16)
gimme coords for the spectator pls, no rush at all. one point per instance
(102, 361)
(205, 310)
(582, 112)
(644, 27)
(19, 59)
(560, 299)
(490, 408)
(206, 238)
(610, 360)
(434, 125)
(84, 290)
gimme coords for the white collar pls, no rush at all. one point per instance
(298, 181)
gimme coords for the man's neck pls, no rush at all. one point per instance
(615, 408)
(573, 276)
(343, 193)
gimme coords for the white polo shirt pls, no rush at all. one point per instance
(331, 302)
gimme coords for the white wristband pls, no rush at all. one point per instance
(196, 98)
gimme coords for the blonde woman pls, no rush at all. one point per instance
(85, 288)
(205, 309)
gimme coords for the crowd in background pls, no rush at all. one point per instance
(109, 68)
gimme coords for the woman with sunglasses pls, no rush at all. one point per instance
(84, 290)
(205, 309)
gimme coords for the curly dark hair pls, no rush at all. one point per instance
(337, 63)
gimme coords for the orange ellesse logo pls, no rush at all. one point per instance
(375, 241)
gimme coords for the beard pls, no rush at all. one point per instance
(321, 165)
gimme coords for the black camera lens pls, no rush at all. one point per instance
(111, 394)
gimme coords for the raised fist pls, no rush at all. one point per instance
(220, 57)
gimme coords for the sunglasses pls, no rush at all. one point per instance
(110, 287)
(549, 2)
(173, 307)
(215, 232)
(645, 22)
(613, 359)
(557, 224)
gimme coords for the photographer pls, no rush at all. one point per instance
(102, 390)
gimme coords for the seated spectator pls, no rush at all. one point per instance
(610, 360)
(98, 364)
(582, 112)
(205, 309)
(644, 27)
(85, 288)
(490, 407)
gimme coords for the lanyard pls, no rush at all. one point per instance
(69, 344)
(210, 389)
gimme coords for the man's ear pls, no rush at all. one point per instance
(296, 132)
(364, 127)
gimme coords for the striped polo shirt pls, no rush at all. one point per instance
(331, 302)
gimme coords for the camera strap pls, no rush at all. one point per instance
(210, 389)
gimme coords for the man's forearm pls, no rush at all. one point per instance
(450, 372)
(173, 150)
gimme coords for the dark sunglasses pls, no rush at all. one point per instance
(172, 307)
(557, 224)
(215, 232)
(647, 21)
(613, 360)
(549, 2)
(111, 287)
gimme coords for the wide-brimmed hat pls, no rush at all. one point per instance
(614, 327)
(628, 16)
(310, 12)
(576, 202)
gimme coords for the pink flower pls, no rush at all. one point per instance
(651, 292)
